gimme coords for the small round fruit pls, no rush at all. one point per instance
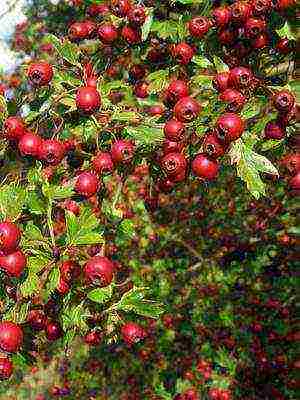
(11, 337)
(30, 145)
(107, 33)
(254, 27)
(53, 331)
(40, 74)
(69, 270)
(187, 109)
(122, 151)
(284, 101)
(292, 163)
(294, 183)
(141, 90)
(14, 128)
(6, 368)
(205, 167)
(120, 8)
(240, 11)
(99, 271)
(173, 164)
(137, 15)
(212, 147)
(87, 184)
(37, 320)
(221, 16)
(103, 163)
(273, 130)
(235, 100)
(174, 130)
(131, 35)
(229, 127)
(199, 26)
(284, 46)
(240, 77)
(93, 338)
(172, 147)
(261, 7)
(88, 99)
(220, 82)
(63, 287)
(132, 333)
(78, 31)
(52, 151)
(13, 263)
(10, 236)
(176, 90)
(183, 53)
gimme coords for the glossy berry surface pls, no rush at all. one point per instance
(52, 151)
(88, 99)
(187, 109)
(99, 271)
(13, 263)
(173, 163)
(229, 127)
(40, 74)
(107, 33)
(14, 128)
(132, 333)
(122, 151)
(53, 331)
(6, 368)
(183, 53)
(199, 26)
(11, 337)
(10, 236)
(30, 145)
(284, 101)
(103, 163)
(174, 130)
(205, 167)
(87, 184)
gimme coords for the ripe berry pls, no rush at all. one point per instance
(187, 109)
(137, 72)
(95, 10)
(284, 46)
(260, 41)
(69, 270)
(30, 144)
(6, 368)
(176, 90)
(40, 74)
(91, 28)
(274, 130)
(63, 287)
(294, 183)
(132, 333)
(254, 27)
(93, 338)
(229, 127)
(183, 53)
(221, 16)
(103, 163)
(220, 82)
(10, 236)
(156, 110)
(87, 184)
(226, 35)
(52, 151)
(78, 31)
(284, 101)
(37, 320)
(99, 271)
(107, 33)
(204, 167)
(13, 263)
(240, 11)
(261, 7)
(13, 128)
(173, 164)
(11, 336)
(234, 99)
(141, 90)
(172, 147)
(240, 77)
(53, 331)
(88, 99)
(122, 151)
(174, 130)
(199, 26)
(120, 8)
(137, 15)
(212, 147)
(131, 35)
(292, 162)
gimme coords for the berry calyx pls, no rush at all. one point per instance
(212, 147)
(234, 99)
(187, 109)
(122, 151)
(240, 77)
(174, 164)
(52, 151)
(284, 101)
(40, 74)
(199, 26)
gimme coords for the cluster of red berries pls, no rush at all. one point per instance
(219, 394)
(292, 164)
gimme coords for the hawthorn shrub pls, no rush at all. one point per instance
(136, 145)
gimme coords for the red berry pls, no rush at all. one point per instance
(260, 41)
(137, 71)
(132, 333)
(187, 109)
(10, 236)
(6, 368)
(92, 81)
(78, 31)
(234, 99)
(199, 26)
(88, 99)
(155, 110)
(120, 7)
(240, 77)
(87, 184)
(229, 127)
(254, 27)
(63, 287)
(294, 183)
(137, 15)
(292, 162)
(204, 167)
(273, 130)
(122, 151)
(174, 164)
(226, 35)
(284, 46)
(212, 147)
(261, 7)
(13, 263)
(13, 128)
(141, 90)
(176, 90)
(93, 338)
(30, 145)
(221, 16)
(174, 130)
(240, 11)
(107, 33)
(53, 331)
(40, 74)
(91, 28)
(69, 270)
(11, 336)
(52, 151)
(103, 163)
(71, 206)
(99, 271)
(37, 320)
(131, 35)
(220, 82)
(284, 101)
(214, 394)
(97, 9)
(172, 147)
(183, 53)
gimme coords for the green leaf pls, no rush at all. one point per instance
(36, 264)
(174, 30)
(147, 24)
(134, 301)
(295, 87)
(220, 65)
(271, 144)
(74, 317)
(202, 61)
(67, 78)
(202, 81)
(126, 228)
(100, 295)
(67, 50)
(80, 230)
(253, 107)
(158, 80)
(54, 192)
(162, 392)
(30, 286)
(119, 115)
(32, 232)
(52, 282)
(35, 204)
(69, 101)
(145, 134)
(286, 32)
(12, 200)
